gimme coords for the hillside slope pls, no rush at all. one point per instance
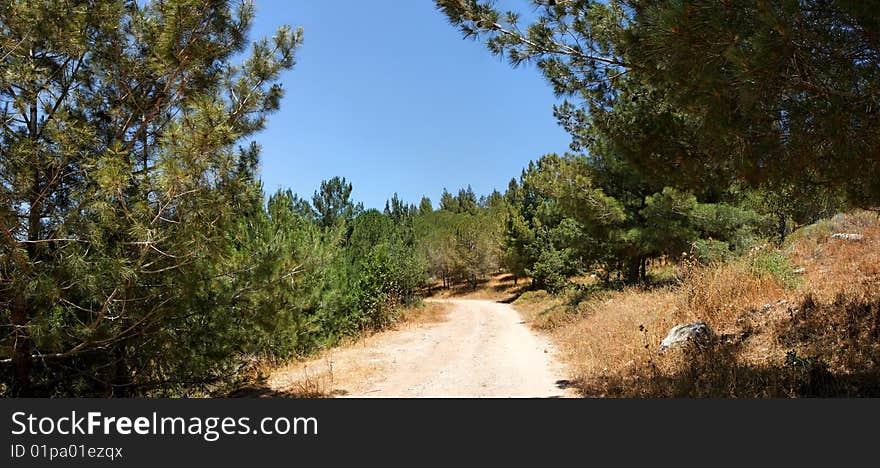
(800, 320)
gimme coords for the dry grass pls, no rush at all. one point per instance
(603, 335)
(315, 379)
(717, 294)
(835, 266)
(817, 335)
(544, 311)
(495, 288)
(426, 312)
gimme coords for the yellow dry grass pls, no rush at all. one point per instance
(820, 336)
(426, 312)
(495, 288)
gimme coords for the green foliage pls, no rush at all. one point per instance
(137, 256)
(774, 263)
(475, 246)
(709, 152)
(780, 86)
(332, 203)
(774, 95)
(458, 243)
(669, 222)
(464, 202)
(398, 210)
(425, 206)
(322, 284)
(386, 270)
(573, 214)
(552, 268)
(709, 251)
(518, 237)
(125, 190)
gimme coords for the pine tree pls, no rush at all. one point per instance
(425, 206)
(333, 204)
(768, 94)
(121, 180)
(448, 201)
(397, 210)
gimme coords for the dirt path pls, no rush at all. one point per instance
(482, 349)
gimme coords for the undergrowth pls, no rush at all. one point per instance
(801, 320)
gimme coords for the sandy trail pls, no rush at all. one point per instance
(482, 349)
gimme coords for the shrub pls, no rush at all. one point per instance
(774, 264)
(552, 269)
(710, 251)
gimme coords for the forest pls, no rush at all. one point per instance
(141, 256)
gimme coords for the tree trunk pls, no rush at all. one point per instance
(633, 270)
(121, 383)
(21, 350)
(643, 275)
(782, 226)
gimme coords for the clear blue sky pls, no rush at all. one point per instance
(387, 94)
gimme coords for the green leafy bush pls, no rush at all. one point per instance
(710, 251)
(773, 263)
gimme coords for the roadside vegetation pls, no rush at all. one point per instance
(804, 323)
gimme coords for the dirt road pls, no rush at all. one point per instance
(481, 349)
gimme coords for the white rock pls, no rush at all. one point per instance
(682, 334)
(847, 236)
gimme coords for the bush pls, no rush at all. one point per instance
(552, 269)
(710, 251)
(774, 264)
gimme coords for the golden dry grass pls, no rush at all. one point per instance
(499, 287)
(426, 312)
(601, 336)
(835, 266)
(773, 338)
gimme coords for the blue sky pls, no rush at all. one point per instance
(387, 94)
